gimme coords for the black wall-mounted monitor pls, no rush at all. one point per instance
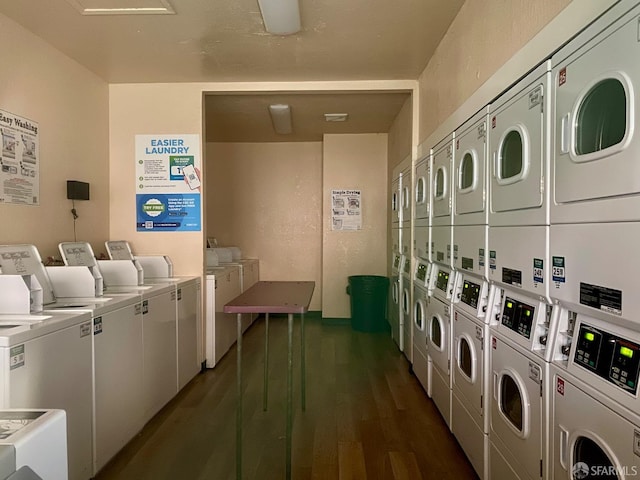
(77, 190)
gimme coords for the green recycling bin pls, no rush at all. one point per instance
(368, 302)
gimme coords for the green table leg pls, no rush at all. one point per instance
(239, 406)
(266, 363)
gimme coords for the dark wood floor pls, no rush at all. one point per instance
(366, 417)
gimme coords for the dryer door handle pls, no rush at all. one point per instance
(564, 439)
(565, 133)
(495, 386)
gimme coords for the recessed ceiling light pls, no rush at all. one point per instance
(336, 117)
(123, 7)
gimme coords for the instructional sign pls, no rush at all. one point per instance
(168, 183)
(19, 160)
(346, 210)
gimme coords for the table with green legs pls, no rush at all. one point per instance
(283, 297)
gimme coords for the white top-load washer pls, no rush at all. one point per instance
(596, 173)
(45, 362)
(35, 441)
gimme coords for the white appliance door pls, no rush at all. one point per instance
(596, 152)
(439, 335)
(516, 406)
(468, 367)
(422, 193)
(517, 151)
(442, 181)
(470, 169)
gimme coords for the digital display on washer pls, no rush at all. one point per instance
(396, 262)
(518, 316)
(470, 293)
(609, 356)
(421, 272)
(407, 266)
(442, 280)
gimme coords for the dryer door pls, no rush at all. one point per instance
(596, 150)
(441, 188)
(517, 137)
(516, 406)
(439, 335)
(470, 170)
(468, 369)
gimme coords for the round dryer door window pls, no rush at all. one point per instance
(467, 177)
(395, 293)
(511, 155)
(418, 315)
(465, 358)
(394, 202)
(511, 402)
(601, 121)
(435, 333)
(590, 457)
(440, 189)
(421, 191)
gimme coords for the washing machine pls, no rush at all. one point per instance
(442, 196)
(222, 286)
(596, 176)
(521, 327)
(419, 323)
(395, 299)
(406, 187)
(519, 152)
(439, 337)
(45, 362)
(406, 309)
(594, 402)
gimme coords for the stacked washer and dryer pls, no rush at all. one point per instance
(595, 228)
(397, 261)
(406, 205)
(442, 279)
(422, 269)
(470, 350)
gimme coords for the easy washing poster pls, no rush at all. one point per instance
(168, 183)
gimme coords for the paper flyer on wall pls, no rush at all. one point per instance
(168, 183)
(346, 213)
(19, 160)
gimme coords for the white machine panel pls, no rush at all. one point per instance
(595, 269)
(419, 324)
(518, 146)
(421, 239)
(406, 189)
(394, 197)
(394, 308)
(422, 192)
(471, 242)
(396, 238)
(119, 250)
(439, 333)
(407, 310)
(25, 260)
(223, 285)
(521, 257)
(442, 241)
(189, 301)
(442, 196)
(596, 171)
(471, 172)
(472, 296)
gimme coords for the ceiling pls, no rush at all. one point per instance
(225, 41)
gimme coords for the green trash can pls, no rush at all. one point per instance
(368, 302)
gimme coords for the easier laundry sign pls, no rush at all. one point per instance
(168, 183)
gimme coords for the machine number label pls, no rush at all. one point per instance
(440, 256)
(467, 263)
(86, 329)
(560, 386)
(494, 343)
(602, 298)
(16, 357)
(636, 442)
(479, 335)
(534, 372)
(447, 313)
(481, 257)
(137, 309)
(557, 270)
(449, 252)
(562, 76)
(512, 277)
(492, 259)
(97, 325)
(145, 307)
(179, 294)
(535, 97)
(173, 296)
(538, 270)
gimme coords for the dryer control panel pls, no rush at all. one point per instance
(518, 316)
(442, 280)
(609, 356)
(470, 293)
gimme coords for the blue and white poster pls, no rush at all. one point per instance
(168, 183)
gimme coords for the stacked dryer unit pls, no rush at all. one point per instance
(422, 268)
(595, 227)
(470, 353)
(520, 315)
(406, 205)
(395, 290)
(442, 279)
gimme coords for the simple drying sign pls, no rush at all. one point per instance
(168, 183)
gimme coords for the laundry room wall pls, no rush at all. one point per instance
(266, 198)
(482, 37)
(70, 106)
(354, 162)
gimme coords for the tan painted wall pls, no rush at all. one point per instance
(482, 37)
(150, 109)
(353, 162)
(70, 105)
(266, 198)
